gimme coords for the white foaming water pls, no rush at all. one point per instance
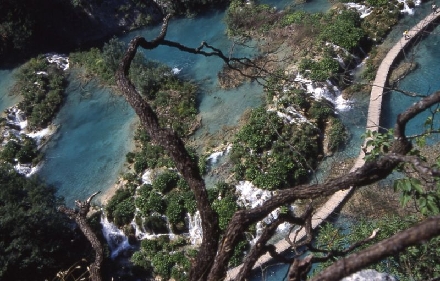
(215, 156)
(325, 91)
(362, 9)
(61, 61)
(147, 177)
(176, 70)
(115, 237)
(195, 228)
(251, 196)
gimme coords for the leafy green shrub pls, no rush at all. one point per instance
(320, 70)
(225, 208)
(149, 201)
(120, 208)
(37, 240)
(377, 3)
(344, 30)
(175, 210)
(338, 134)
(166, 181)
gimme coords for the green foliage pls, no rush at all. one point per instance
(163, 256)
(321, 70)
(102, 64)
(338, 134)
(377, 3)
(149, 201)
(263, 150)
(242, 18)
(175, 211)
(225, 208)
(239, 253)
(23, 149)
(427, 199)
(415, 263)
(378, 143)
(165, 181)
(42, 93)
(36, 240)
(344, 30)
(120, 208)
(301, 18)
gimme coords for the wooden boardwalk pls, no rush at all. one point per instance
(374, 110)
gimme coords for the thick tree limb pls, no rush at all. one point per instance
(177, 151)
(80, 217)
(415, 235)
(261, 247)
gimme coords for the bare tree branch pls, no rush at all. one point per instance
(80, 217)
(415, 235)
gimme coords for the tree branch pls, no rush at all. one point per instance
(415, 235)
(80, 217)
(177, 151)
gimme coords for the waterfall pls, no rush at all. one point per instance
(195, 228)
(115, 237)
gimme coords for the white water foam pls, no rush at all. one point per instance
(115, 238)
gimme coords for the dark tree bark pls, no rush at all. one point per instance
(80, 217)
(213, 257)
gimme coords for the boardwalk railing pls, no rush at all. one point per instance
(374, 110)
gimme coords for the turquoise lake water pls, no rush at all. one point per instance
(88, 151)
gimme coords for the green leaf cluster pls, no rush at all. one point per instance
(164, 257)
(273, 154)
(120, 208)
(168, 195)
(343, 29)
(319, 70)
(377, 143)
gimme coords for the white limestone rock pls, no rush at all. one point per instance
(369, 275)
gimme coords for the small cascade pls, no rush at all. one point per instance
(142, 234)
(327, 91)
(251, 197)
(115, 238)
(195, 228)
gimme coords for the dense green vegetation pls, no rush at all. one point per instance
(41, 85)
(274, 153)
(36, 240)
(22, 150)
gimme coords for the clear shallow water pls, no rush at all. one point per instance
(88, 151)
(425, 80)
(6, 82)
(218, 107)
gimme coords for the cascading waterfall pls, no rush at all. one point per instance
(195, 228)
(115, 237)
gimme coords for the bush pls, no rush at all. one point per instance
(120, 209)
(165, 181)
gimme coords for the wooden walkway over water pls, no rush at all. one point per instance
(374, 110)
